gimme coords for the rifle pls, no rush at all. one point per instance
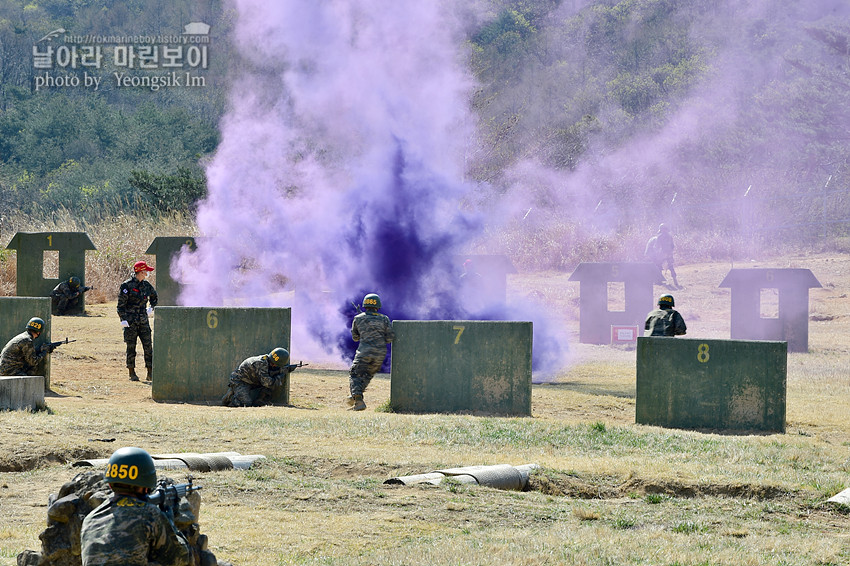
(50, 346)
(293, 367)
(86, 288)
(356, 306)
(167, 497)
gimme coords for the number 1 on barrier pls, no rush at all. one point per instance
(460, 330)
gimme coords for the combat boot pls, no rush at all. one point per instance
(150, 375)
(358, 404)
(349, 400)
(133, 376)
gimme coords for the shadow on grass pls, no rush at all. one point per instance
(625, 392)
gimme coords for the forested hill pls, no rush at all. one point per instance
(620, 107)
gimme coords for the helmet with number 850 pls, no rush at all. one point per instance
(131, 466)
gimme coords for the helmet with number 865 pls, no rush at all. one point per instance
(371, 301)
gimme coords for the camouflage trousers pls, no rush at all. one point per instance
(143, 333)
(362, 369)
(62, 305)
(241, 394)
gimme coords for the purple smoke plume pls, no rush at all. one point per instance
(340, 172)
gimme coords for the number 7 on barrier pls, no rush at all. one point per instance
(460, 330)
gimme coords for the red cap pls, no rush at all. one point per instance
(141, 266)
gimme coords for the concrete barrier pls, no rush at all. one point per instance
(449, 366)
(15, 312)
(196, 348)
(22, 392)
(714, 384)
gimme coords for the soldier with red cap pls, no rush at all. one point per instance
(133, 310)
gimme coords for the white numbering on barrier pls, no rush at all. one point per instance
(212, 319)
(702, 353)
(460, 330)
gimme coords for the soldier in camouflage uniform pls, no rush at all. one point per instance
(133, 311)
(126, 530)
(665, 321)
(254, 382)
(373, 331)
(19, 356)
(66, 296)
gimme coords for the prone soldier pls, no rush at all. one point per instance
(127, 529)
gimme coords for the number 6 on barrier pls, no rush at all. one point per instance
(212, 319)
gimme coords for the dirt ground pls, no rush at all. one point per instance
(88, 376)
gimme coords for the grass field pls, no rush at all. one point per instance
(609, 492)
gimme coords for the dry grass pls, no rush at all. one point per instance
(610, 492)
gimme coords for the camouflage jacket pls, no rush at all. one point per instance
(665, 322)
(19, 356)
(64, 290)
(126, 531)
(374, 331)
(257, 371)
(133, 300)
(664, 244)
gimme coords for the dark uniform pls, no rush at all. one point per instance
(665, 322)
(19, 356)
(133, 299)
(253, 383)
(126, 531)
(373, 331)
(65, 298)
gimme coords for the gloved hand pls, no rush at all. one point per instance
(125, 324)
(150, 311)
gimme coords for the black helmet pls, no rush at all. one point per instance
(666, 301)
(74, 282)
(279, 357)
(371, 301)
(131, 466)
(36, 325)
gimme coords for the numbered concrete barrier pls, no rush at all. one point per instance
(449, 366)
(196, 348)
(165, 249)
(715, 384)
(71, 248)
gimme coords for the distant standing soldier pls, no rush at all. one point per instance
(665, 321)
(373, 331)
(19, 356)
(133, 310)
(66, 296)
(127, 530)
(659, 250)
(254, 382)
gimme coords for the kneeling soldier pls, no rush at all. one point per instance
(19, 356)
(254, 382)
